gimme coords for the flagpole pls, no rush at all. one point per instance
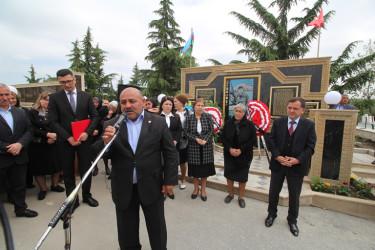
(191, 47)
(320, 28)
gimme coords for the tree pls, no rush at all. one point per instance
(135, 79)
(164, 54)
(352, 76)
(90, 60)
(276, 41)
(32, 78)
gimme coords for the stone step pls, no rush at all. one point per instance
(363, 172)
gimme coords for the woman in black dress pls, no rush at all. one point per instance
(200, 130)
(173, 121)
(239, 137)
(42, 149)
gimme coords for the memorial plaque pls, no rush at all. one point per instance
(279, 99)
(333, 138)
(310, 105)
(206, 94)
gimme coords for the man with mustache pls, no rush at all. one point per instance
(138, 177)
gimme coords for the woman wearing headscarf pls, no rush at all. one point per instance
(239, 137)
(172, 119)
(200, 130)
(42, 158)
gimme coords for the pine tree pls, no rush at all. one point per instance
(135, 79)
(76, 57)
(164, 77)
(32, 78)
(277, 42)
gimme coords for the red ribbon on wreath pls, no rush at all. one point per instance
(216, 115)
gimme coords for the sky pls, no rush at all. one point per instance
(41, 32)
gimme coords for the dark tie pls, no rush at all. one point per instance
(72, 101)
(291, 128)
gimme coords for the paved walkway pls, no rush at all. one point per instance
(194, 224)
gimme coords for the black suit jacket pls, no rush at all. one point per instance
(175, 127)
(61, 114)
(303, 144)
(22, 133)
(155, 140)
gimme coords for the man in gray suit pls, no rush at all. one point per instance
(138, 176)
(344, 103)
(15, 135)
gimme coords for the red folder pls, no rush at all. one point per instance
(79, 127)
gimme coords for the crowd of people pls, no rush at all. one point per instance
(153, 141)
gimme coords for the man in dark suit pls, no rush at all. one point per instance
(67, 106)
(292, 143)
(15, 135)
(138, 177)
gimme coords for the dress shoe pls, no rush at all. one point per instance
(42, 195)
(194, 196)
(91, 201)
(171, 196)
(107, 172)
(294, 229)
(242, 203)
(269, 220)
(58, 189)
(373, 162)
(27, 213)
(95, 172)
(228, 199)
(204, 198)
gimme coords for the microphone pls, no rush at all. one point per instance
(123, 116)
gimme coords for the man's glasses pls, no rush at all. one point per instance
(66, 82)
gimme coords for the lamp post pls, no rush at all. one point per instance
(332, 98)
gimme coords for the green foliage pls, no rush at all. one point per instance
(344, 190)
(318, 185)
(135, 79)
(164, 54)
(354, 75)
(277, 42)
(32, 78)
(90, 60)
(365, 106)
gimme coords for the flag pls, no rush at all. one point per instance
(188, 47)
(318, 22)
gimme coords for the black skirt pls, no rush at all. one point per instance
(236, 170)
(42, 159)
(202, 170)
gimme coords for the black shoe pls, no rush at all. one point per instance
(58, 189)
(242, 203)
(373, 162)
(204, 198)
(107, 171)
(91, 201)
(294, 229)
(109, 177)
(95, 172)
(42, 195)
(171, 196)
(228, 199)
(194, 196)
(27, 213)
(30, 186)
(269, 220)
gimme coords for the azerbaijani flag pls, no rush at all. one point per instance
(189, 46)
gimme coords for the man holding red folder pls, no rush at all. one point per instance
(66, 107)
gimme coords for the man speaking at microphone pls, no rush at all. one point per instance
(137, 170)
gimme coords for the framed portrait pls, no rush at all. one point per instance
(239, 89)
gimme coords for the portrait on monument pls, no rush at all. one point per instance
(238, 90)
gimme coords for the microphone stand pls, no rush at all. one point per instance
(261, 137)
(66, 209)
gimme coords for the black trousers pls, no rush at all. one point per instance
(128, 223)
(294, 189)
(66, 157)
(16, 175)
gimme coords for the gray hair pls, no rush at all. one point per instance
(240, 105)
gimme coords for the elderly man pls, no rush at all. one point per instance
(15, 135)
(344, 103)
(138, 176)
